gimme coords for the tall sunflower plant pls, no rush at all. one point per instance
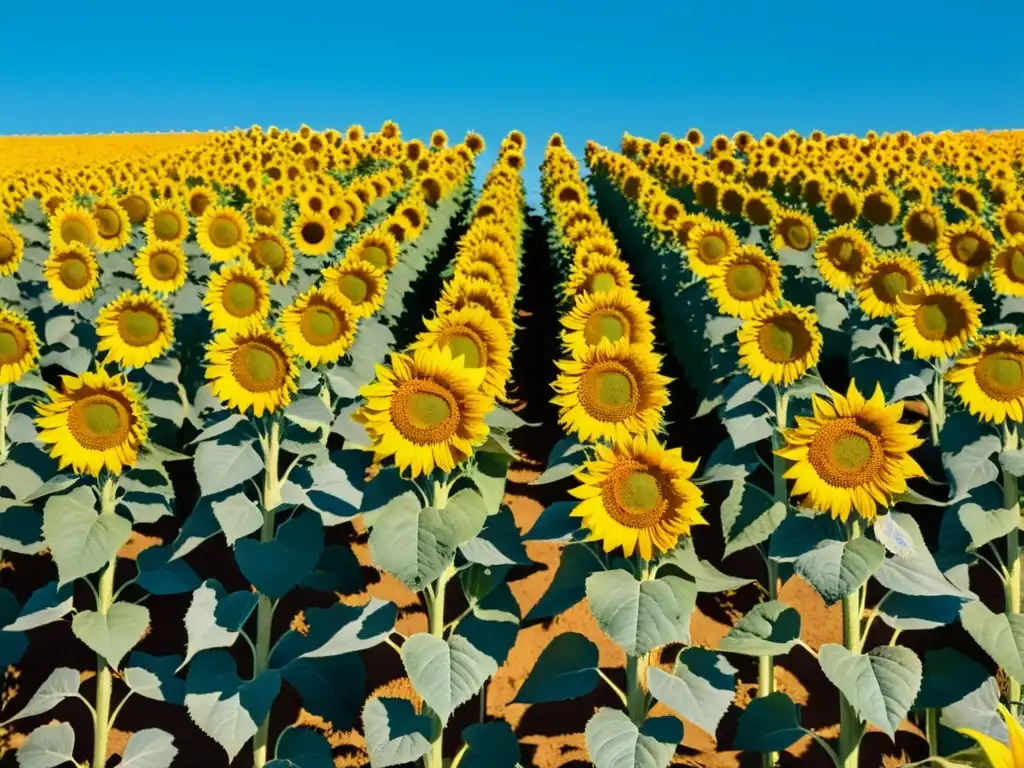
(276, 457)
(435, 514)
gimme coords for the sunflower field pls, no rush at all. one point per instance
(324, 448)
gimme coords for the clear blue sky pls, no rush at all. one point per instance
(586, 70)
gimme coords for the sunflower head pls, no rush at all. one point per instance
(965, 249)
(638, 495)
(1010, 217)
(71, 273)
(600, 274)
(270, 251)
(161, 267)
(793, 229)
(223, 233)
(883, 280)
(779, 344)
(426, 410)
(264, 212)
(843, 256)
(598, 318)
(113, 229)
(313, 233)
(319, 326)
(853, 454)
(12, 249)
(359, 282)
(610, 391)
(377, 247)
(707, 244)
(989, 377)
(459, 293)
(166, 223)
(72, 224)
(252, 369)
(19, 346)
(937, 319)
(923, 224)
(1008, 267)
(843, 204)
(746, 282)
(199, 198)
(237, 297)
(96, 423)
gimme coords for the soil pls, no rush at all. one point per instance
(551, 735)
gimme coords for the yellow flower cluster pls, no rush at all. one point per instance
(427, 409)
(634, 492)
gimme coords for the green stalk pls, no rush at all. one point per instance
(1011, 497)
(766, 664)
(849, 722)
(636, 671)
(435, 625)
(104, 676)
(931, 730)
(265, 608)
(4, 418)
(937, 411)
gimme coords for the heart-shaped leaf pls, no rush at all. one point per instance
(47, 747)
(1000, 635)
(641, 616)
(445, 674)
(154, 677)
(614, 741)
(394, 733)
(490, 745)
(114, 633)
(62, 683)
(278, 566)
(214, 618)
(768, 724)
(768, 629)
(149, 748)
(700, 688)
(302, 748)
(80, 539)
(566, 669)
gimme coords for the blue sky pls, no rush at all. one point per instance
(586, 70)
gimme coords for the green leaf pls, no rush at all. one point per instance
(505, 420)
(880, 685)
(368, 627)
(498, 544)
(749, 517)
(159, 575)
(276, 567)
(113, 634)
(302, 748)
(337, 484)
(310, 413)
(978, 711)
(154, 677)
(701, 687)
(394, 733)
(80, 539)
(337, 570)
(985, 525)
(566, 669)
(44, 606)
(220, 466)
(972, 466)
(47, 747)
(831, 312)
(747, 429)
(1000, 635)
(238, 516)
(1013, 462)
(149, 748)
(578, 562)
(62, 683)
(915, 573)
(768, 724)
(768, 629)
(641, 616)
(565, 458)
(555, 523)
(226, 708)
(488, 473)
(949, 677)
(704, 574)
(12, 644)
(836, 568)
(445, 674)
(214, 618)
(613, 740)
(490, 745)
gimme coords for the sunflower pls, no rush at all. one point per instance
(269, 250)
(843, 204)
(134, 329)
(965, 249)
(638, 495)
(1011, 218)
(113, 229)
(852, 454)
(746, 282)
(237, 298)
(881, 206)
(842, 257)
(313, 233)
(778, 344)
(72, 224)
(19, 346)
(71, 273)
(252, 368)
(793, 229)
(472, 334)
(998, 754)
(460, 292)
(265, 212)
(967, 198)
(989, 377)
(607, 317)
(97, 422)
(358, 281)
(319, 326)
(884, 278)
(610, 391)
(377, 247)
(937, 319)
(223, 233)
(161, 267)
(12, 249)
(426, 410)
(199, 198)
(1008, 267)
(480, 270)
(707, 244)
(166, 223)
(600, 274)
(923, 224)
(490, 253)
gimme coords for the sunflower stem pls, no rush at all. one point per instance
(4, 417)
(435, 625)
(937, 413)
(850, 730)
(265, 607)
(104, 677)
(1011, 499)
(636, 669)
(931, 730)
